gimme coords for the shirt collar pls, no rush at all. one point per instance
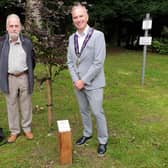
(84, 33)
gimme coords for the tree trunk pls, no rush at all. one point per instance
(49, 101)
(33, 14)
(34, 20)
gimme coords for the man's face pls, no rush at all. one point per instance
(13, 28)
(80, 18)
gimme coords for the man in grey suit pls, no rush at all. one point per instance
(85, 60)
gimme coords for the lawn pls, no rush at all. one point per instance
(137, 118)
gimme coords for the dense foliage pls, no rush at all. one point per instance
(160, 45)
(120, 20)
(50, 39)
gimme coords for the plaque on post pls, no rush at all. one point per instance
(147, 24)
(145, 40)
(65, 142)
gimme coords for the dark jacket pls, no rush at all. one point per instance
(4, 53)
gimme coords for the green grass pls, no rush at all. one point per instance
(137, 119)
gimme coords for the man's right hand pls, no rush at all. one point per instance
(79, 84)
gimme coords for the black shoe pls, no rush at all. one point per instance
(102, 149)
(82, 140)
(2, 136)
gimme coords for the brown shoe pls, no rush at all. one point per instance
(12, 138)
(29, 135)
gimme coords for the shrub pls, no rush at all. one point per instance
(160, 46)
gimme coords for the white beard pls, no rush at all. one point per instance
(14, 36)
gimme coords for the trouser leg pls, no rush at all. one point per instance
(95, 98)
(25, 104)
(84, 110)
(12, 106)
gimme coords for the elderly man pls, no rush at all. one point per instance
(85, 59)
(16, 77)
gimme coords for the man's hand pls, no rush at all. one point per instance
(79, 84)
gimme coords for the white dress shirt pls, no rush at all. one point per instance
(17, 58)
(81, 37)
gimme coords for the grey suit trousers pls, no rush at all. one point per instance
(92, 99)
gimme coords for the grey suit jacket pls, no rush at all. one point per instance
(91, 67)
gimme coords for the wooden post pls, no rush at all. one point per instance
(65, 142)
(65, 148)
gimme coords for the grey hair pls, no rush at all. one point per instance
(12, 16)
(78, 4)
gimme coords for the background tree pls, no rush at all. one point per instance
(44, 22)
(33, 14)
(121, 20)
